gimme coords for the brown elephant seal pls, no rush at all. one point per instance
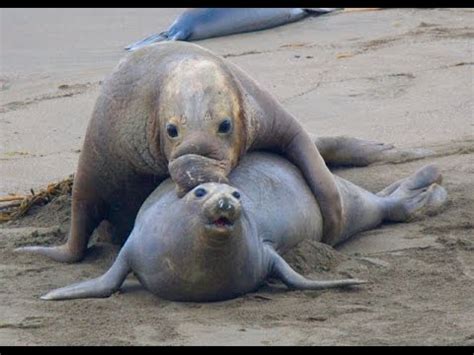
(162, 106)
(221, 241)
(177, 109)
(202, 23)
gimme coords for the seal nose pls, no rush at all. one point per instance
(228, 207)
(225, 205)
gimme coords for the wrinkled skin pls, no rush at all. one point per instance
(220, 241)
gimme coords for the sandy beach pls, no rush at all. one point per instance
(400, 76)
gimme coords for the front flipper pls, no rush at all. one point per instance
(302, 152)
(87, 213)
(60, 253)
(100, 287)
(293, 280)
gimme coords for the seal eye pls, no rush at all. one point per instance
(225, 126)
(200, 192)
(172, 130)
(236, 194)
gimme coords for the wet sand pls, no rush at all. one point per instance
(401, 76)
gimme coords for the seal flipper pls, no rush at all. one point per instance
(281, 270)
(154, 38)
(315, 11)
(290, 138)
(171, 35)
(87, 212)
(59, 253)
(100, 287)
(414, 196)
(350, 151)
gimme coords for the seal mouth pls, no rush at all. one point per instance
(221, 224)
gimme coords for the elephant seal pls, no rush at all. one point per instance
(202, 23)
(161, 108)
(222, 241)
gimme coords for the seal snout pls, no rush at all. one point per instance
(222, 210)
(226, 213)
(226, 210)
(190, 170)
(225, 205)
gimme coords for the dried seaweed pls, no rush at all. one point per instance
(18, 205)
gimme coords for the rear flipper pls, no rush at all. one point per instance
(154, 38)
(158, 37)
(100, 287)
(293, 280)
(320, 10)
(349, 151)
(414, 196)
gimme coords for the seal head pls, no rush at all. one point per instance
(219, 209)
(202, 127)
(193, 260)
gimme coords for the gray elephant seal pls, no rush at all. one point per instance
(201, 23)
(164, 106)
(221, 241)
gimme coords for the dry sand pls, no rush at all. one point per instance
(402, 76)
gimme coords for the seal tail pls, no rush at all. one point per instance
(293, 280)
(100, 287)
(154, 38)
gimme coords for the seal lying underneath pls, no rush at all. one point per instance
(195, 24)
(220, 241)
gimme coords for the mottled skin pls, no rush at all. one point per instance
(221, 241)
(178, 87)
(201, 23)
